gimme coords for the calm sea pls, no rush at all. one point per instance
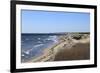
(32, 45)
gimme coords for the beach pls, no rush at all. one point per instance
(80, 51)
(67, 49)
(72, 49)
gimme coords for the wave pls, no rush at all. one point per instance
(39, 42)
(27, 39)
(38, 45)
(23, 55)
(38, 38)
(53, 38)
(27, 52)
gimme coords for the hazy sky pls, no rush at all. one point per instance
(50, 22)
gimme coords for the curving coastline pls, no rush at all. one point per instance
(73, 46)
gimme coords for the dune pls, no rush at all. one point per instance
(80, 51)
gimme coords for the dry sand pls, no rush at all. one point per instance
(79, 51)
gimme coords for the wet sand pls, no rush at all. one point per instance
(80, 51)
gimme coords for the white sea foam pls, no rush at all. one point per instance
(48, 39)
(27, 52)
(55, 41)
(23, 55)
(53, 38)
(39, 38)
(38, 45)
(39, 42)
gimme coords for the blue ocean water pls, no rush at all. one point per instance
(32, 45)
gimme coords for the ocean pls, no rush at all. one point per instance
(33, 45)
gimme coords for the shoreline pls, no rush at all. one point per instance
(66, 49)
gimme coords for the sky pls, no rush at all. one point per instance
(52, 22)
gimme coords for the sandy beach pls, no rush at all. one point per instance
(67, 49)
(80, 51)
